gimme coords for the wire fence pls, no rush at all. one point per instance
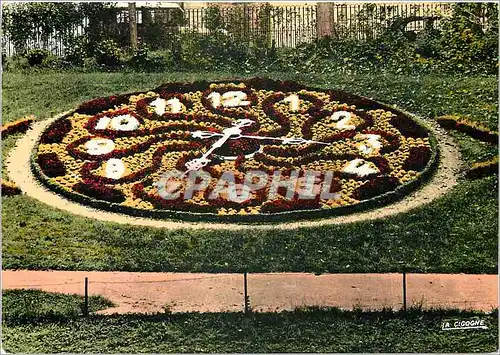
(264, 292)
(256, 24)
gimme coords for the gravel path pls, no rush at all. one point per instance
(185, 292)
(445, 178)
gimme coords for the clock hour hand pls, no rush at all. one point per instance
(232, 132)
(199, 163)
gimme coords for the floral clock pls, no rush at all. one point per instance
(347, 151)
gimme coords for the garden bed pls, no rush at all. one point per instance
(374, 154)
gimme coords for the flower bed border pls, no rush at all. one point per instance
(9, 188)
(481, 169)
(360, 102)
(18, 126)
(473, 129)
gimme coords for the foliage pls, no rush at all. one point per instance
(77, 50)
(314, 330)
(214, 21)
(161, 32)
(464, 42)
(461, 46)
(139, 59)
(23, 21)
(108, 53)
(197, 52)
(35, 306)
(237, 23)
(238, 41)
(466, 240)
(38, 57)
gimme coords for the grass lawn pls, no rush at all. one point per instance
(306, 330)
(35, 306)
(456, 233)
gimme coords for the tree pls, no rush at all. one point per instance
(132, 19)
(324, 19)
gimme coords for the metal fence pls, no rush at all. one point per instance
(364, 21)
(281, 26)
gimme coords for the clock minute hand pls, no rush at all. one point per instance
(286, 140)
(290, 140)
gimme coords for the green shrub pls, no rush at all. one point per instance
(77, 50)
(139, 59)
(16, 62)
(143, 60)
(465, 46)
(108, 53)
(462, 44)
(37, 56)
(217, 51)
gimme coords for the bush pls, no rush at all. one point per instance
(143, 60)
(461, 45)
(108, 53)
(139, 59)
(76, 51)
(217, 51)
(464, 45)
(36, 57)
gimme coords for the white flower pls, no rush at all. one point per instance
(124, 123)
(159, 105)
(359, 167)
(115, 168)
(99, 146)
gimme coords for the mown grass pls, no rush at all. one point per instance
(306, 330)
(36, 306)
(456, 233)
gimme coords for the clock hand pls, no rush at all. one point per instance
(290, 140)
(286, 140)
(235, 131)
(199, 163)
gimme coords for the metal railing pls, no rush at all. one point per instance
(281, 26)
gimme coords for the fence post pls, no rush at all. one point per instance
(404, 288)
(245, 288)
(86, 298)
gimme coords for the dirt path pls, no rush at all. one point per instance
(18, 166)
(184, 292)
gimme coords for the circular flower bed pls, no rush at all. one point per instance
(242, 151)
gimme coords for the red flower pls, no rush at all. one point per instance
(99, 191)
(56, 131)
(51, 165)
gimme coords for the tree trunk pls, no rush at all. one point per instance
(324, 19)
(132, 20)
